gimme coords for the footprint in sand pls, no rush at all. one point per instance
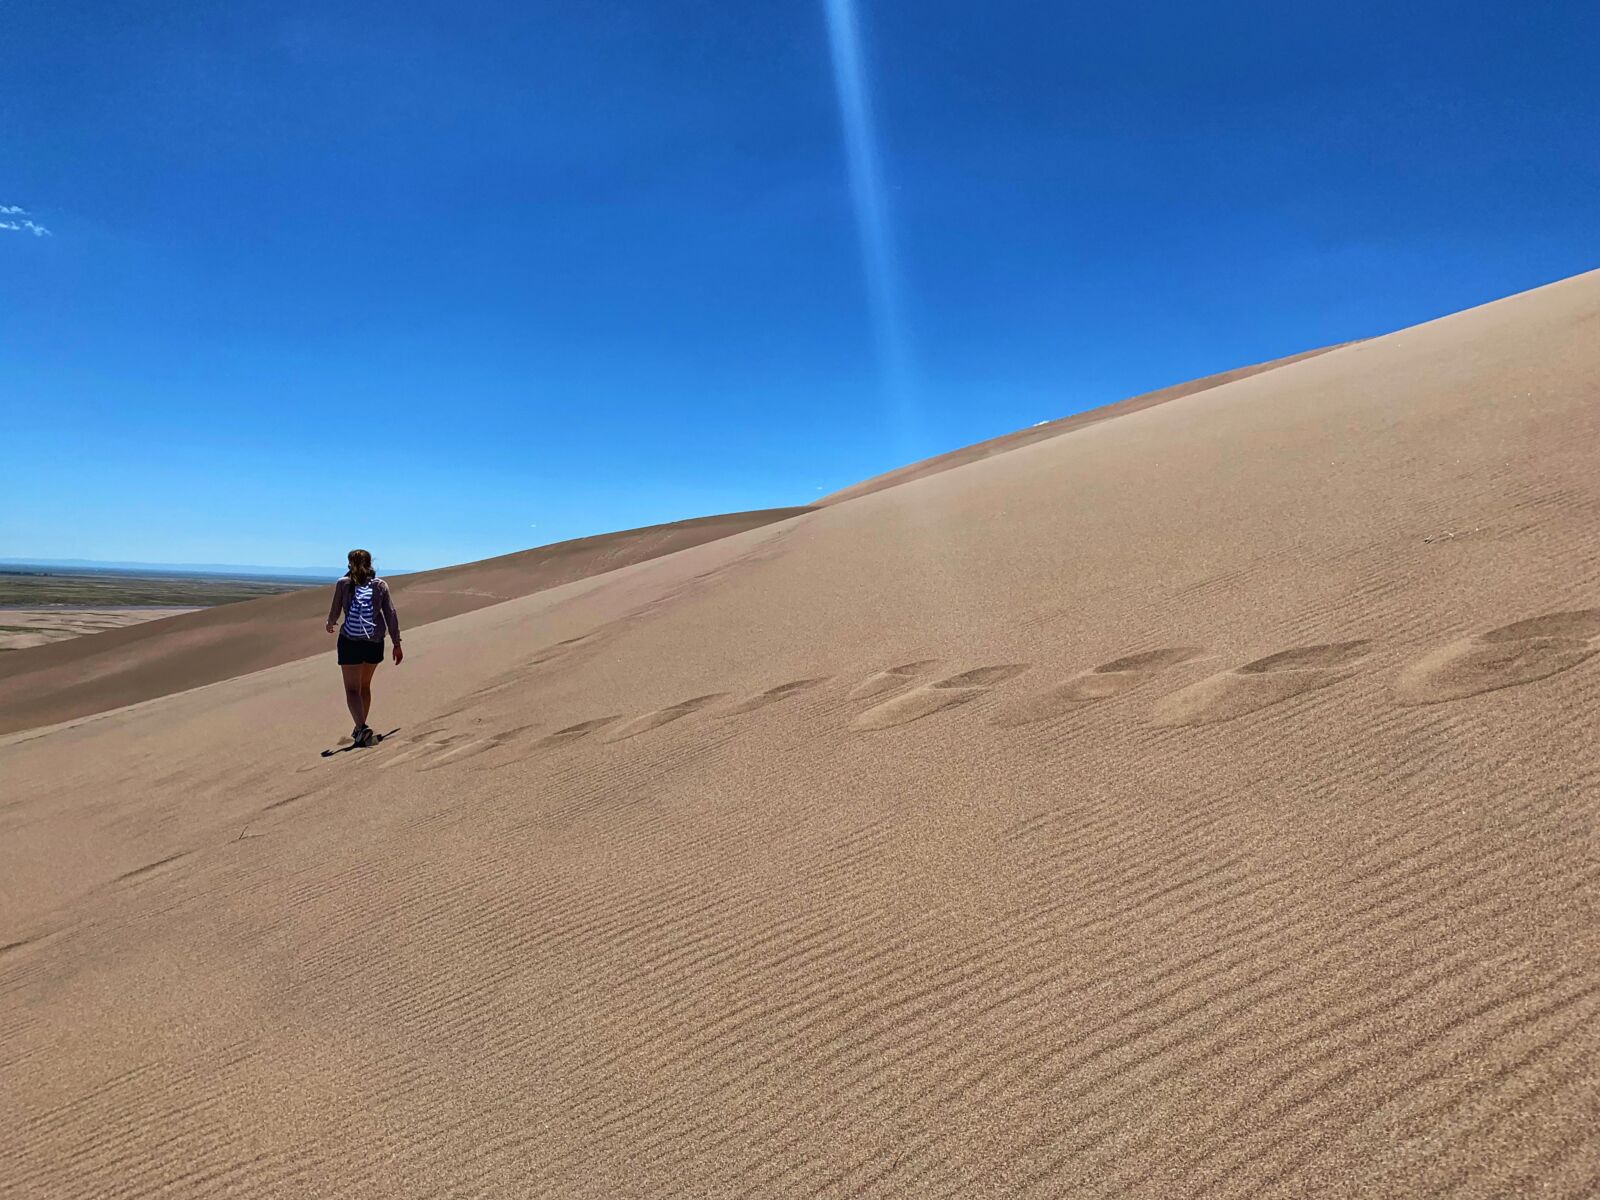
(771, 696)
(1101, 683)
(946, 693)
(891, 680)
(573, 732)
(160, 866)
(472, 747)
(423, 745)
(663, 716)
(458, 747)
(1258, 684)
(558, 650)
(1505, 657)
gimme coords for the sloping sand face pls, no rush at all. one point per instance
(127, 666)
(592, 923)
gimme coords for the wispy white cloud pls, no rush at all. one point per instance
(22, 225)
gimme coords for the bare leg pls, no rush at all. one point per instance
(353, 689)
(367, 671)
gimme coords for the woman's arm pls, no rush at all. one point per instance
(338, 607)
(389, 617)
(391, 620)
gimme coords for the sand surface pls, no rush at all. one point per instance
(1201, 804)
(23, 628)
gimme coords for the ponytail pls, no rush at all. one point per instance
(360, 571)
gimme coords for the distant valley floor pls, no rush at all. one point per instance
(21, 628)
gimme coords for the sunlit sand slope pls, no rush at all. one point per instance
(1049, 429)
(1200, 805)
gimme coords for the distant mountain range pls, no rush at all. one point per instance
(225, 570)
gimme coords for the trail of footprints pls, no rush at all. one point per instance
(1508, 656)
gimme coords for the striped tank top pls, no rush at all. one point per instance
(359, 620)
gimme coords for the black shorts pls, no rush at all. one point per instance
(355, 651)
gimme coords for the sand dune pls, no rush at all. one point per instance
(129, 665)
(1050, 429)
(1199, 805)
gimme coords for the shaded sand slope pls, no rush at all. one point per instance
(1050, 429)
(1200, 805)
(124, 666)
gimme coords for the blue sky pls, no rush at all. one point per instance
(453, 280)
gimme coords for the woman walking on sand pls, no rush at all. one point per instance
(363, 598)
